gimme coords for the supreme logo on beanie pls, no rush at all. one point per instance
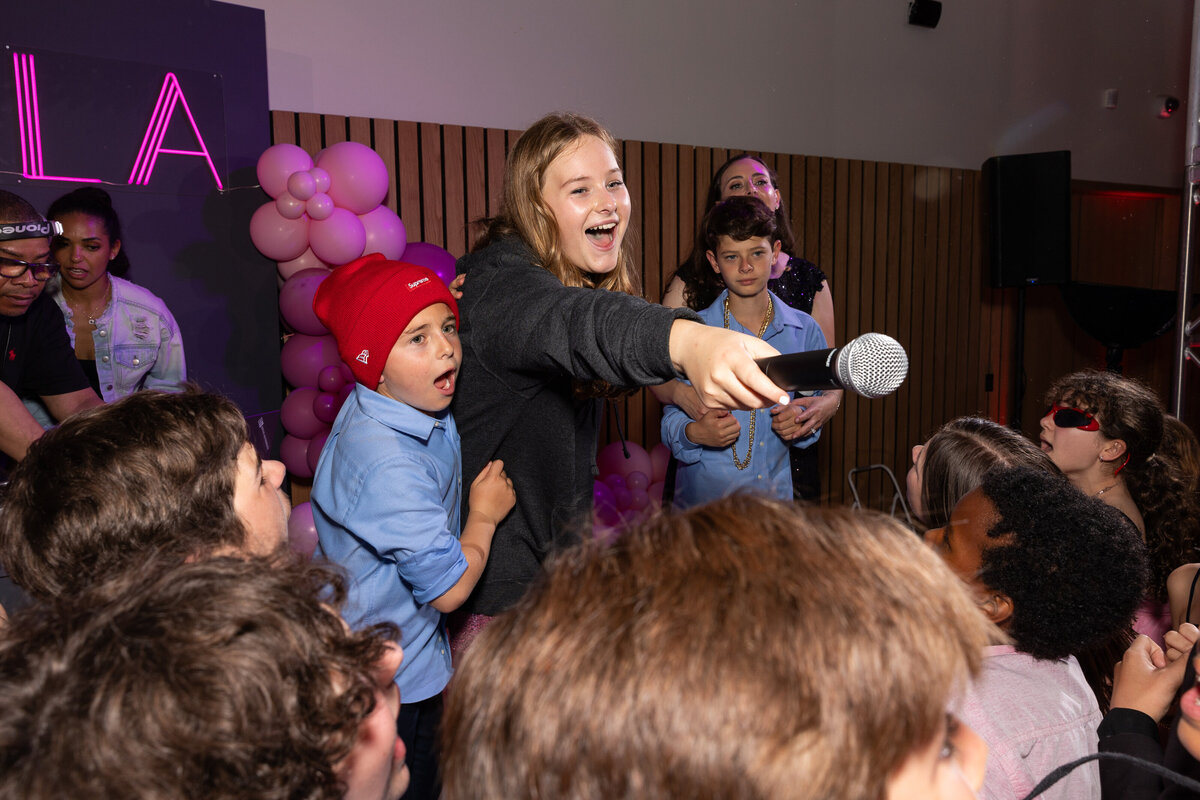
(368, 303)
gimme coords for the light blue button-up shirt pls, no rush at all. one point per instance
(386, 505)
(708, 473)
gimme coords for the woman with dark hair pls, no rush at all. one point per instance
(798, 282)
(124, 336)
(1104, 432)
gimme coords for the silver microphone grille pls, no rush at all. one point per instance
(872, 365)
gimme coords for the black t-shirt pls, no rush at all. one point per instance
(38, 358)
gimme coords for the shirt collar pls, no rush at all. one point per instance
(397, 415)
(782, 317)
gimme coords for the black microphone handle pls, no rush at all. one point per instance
(803, 372)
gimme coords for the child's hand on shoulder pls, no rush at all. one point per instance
(492, 493)
(714, 428)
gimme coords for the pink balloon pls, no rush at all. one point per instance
(302, 530)
(325, 407)
(385, 233)
(343, 393)
(330, 379)
(614, 481)
(656, 494)
(315, 446)
(347, 373)
(358, 177)
(277, 163)
(611, 460)
(303, 357)
(275, 236)
(660, 457)
(296, 299)
(602, 495)
(338, 239)
(297, 416)
(293, 453)
(638, 499)
(306, 260)
(432, 257)
(637, 480)
(319, 206)
(288, 206)
(624, 498)
(301, 185)
(320, 179)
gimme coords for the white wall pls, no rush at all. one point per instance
(846, 78)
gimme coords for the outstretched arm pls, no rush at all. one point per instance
(720, 365)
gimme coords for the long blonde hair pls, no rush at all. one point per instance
(524, 212)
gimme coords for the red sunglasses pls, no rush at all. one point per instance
(1067, 417)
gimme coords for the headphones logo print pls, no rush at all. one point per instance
(363, 356)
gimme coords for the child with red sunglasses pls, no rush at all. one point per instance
(1103, 431)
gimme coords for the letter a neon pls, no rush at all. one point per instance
(160, 120)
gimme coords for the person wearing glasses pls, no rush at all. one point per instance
(1104, 432)
(37, 359)
(124, 336)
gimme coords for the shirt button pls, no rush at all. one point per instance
(136, 361)
(109, 387)
(105, 359)
(103, 332)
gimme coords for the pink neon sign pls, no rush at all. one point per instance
(30, 123)
(170, 97)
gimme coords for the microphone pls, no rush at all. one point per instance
(872, 365)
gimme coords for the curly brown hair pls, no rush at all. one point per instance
(225, 678)
(1130, 411)
(152, 472)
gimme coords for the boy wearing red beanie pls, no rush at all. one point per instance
(387, 489)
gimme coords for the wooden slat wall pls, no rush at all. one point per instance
(900, 245)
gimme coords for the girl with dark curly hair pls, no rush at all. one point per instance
(1061, 574)
(1104, 432)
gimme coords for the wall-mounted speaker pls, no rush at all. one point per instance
(1026, 204)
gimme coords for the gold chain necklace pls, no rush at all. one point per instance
(89, 311)
(753, 412)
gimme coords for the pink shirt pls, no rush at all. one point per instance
(1034, 715)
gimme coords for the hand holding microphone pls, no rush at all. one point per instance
(872, 365)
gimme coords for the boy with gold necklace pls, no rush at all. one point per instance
(727, 451)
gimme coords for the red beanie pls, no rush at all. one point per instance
(368, 303)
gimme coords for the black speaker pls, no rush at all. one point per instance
(926, 13)
(1027, 218)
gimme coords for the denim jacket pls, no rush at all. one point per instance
(138, 344)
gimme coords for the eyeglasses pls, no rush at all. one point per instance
(1067, 417)
(15, 268)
